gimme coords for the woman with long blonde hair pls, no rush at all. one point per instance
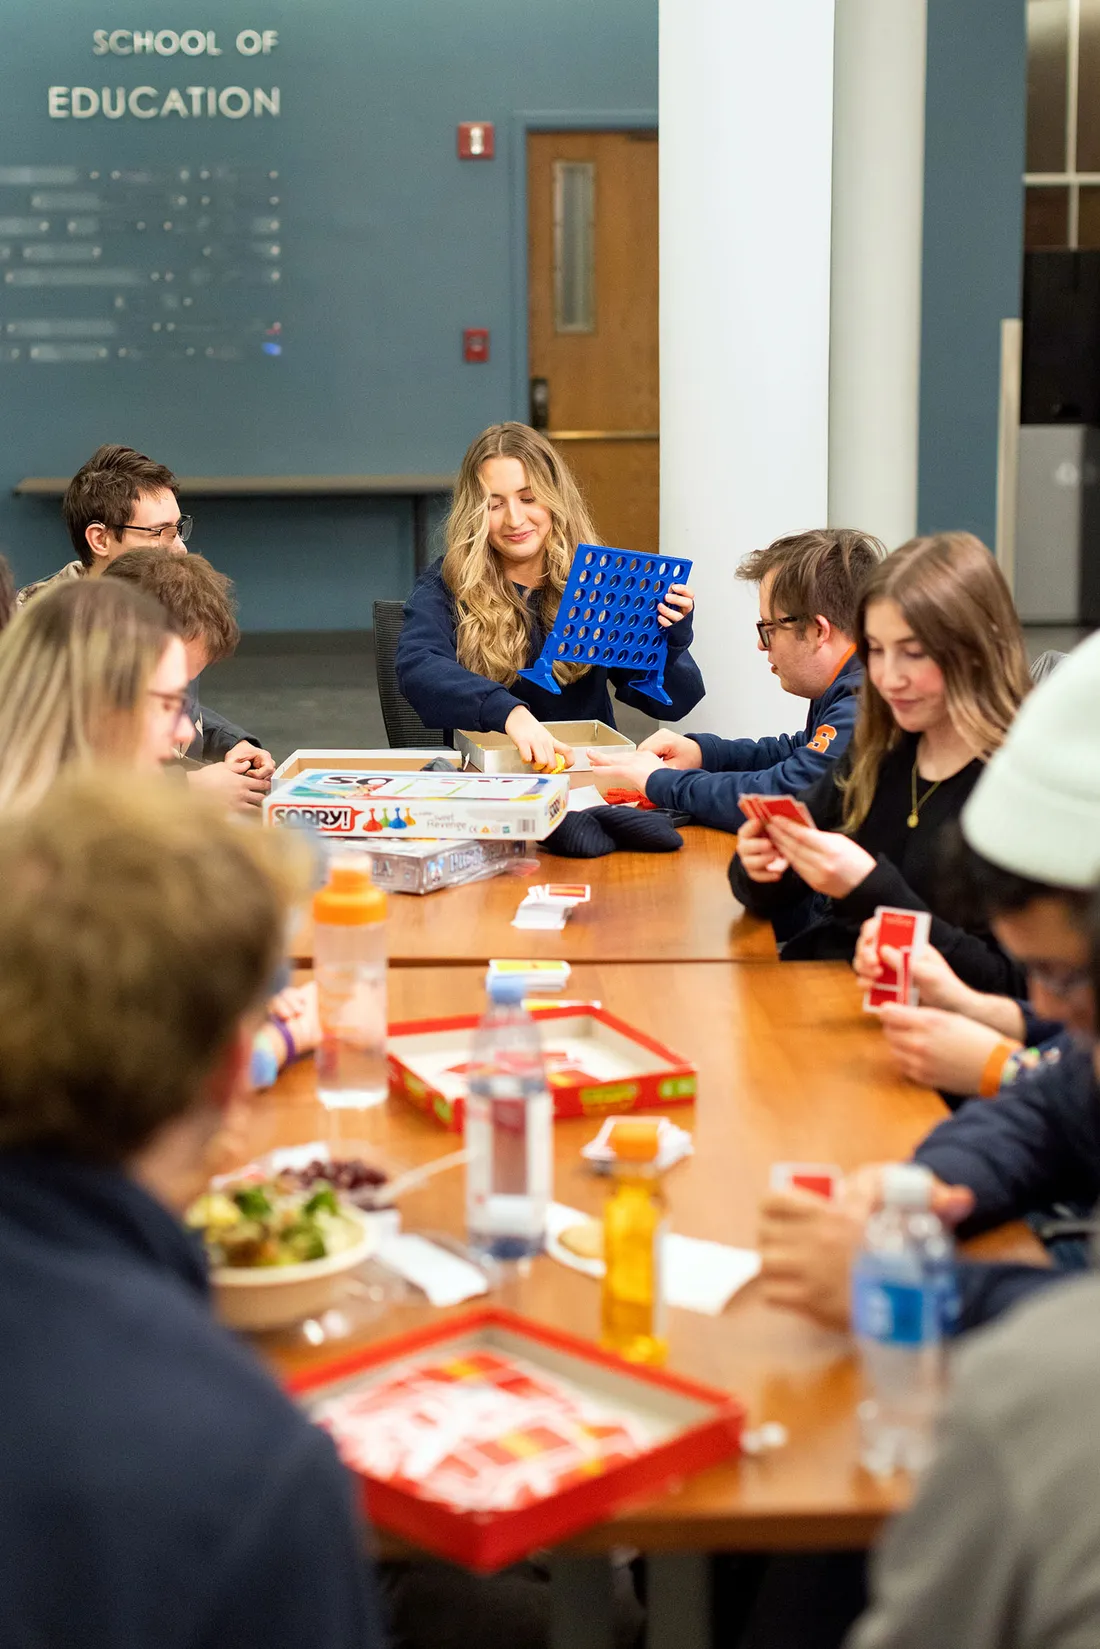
(945, 672)
(90, 671)
(481, 614)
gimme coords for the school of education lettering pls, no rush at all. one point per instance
(150, 102)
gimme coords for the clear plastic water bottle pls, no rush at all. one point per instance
(509, 1130)
(904, 1304)
(349, 962)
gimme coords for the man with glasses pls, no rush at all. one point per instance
(119, 500)
(809, 589)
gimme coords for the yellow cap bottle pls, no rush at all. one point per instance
(635, 1217)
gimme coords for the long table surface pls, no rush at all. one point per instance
(789, 1069)
(675, 907)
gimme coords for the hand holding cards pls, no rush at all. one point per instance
(906, 932)
(549, 904)
(765, 808)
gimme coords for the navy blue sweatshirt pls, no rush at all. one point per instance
(159, 1491)
(733, 768)
(906, 873)
(444, 694)
(1036, 1144)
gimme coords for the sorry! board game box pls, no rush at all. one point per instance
(525, 807)
(486, 1436)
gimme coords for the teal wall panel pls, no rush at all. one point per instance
(388, 246)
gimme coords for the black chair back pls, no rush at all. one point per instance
(404, 728)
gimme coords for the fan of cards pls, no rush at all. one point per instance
(905, 931)
(765, 808)
(548, 904)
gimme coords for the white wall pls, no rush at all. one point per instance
(746, 96)
(878, 190)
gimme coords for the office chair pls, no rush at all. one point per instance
(404, 728)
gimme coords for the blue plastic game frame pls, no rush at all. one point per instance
(608, 616)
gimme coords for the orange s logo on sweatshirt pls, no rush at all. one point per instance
(822, 739)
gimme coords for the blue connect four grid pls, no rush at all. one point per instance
(608, 615)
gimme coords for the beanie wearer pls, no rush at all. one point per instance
(1036, 809)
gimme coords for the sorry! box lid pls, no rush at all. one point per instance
(346, 802)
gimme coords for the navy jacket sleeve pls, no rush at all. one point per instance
(989, 1290)
(683, 678)
(220, 735)
(1037, 1143)
(975, 957)
(782, 766)
(440, 690)
(298, 1574)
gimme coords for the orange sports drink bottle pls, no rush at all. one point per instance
(635, 1217)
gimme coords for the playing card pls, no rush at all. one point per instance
(820, 1178)
(905, 931)
(778, 807)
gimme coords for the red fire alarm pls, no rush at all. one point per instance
(475, 343)
(476, 139)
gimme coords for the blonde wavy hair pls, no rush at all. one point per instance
(494, 623)
(75, 668)
(958, 605)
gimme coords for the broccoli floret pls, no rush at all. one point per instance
(324, 1198)
(253, 1202)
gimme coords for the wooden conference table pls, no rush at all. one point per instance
(789, 1068)
(673, 906)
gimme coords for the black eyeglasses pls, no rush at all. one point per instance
(167, 534)
(765, 626)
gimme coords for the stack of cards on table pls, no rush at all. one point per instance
(765, 808)
(819, 1177)
(905, 931)
(548, 904)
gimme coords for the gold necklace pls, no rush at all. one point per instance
(914, 815)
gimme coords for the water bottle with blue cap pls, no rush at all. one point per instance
(509, 1129)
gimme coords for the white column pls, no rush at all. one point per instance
(746, 94)
(878, 190)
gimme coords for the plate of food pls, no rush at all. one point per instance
(279, 1251)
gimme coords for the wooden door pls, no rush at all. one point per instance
(592, 316)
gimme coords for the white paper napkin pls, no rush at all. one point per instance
(699, 1276)
(444, 1277)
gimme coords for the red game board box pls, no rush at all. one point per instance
(597, 1065)
(576, 1435)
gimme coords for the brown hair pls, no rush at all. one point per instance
(818, 572)
(105, 489)
(196, 596)
(7, 592)
(494, 624)
(75, 666)
(958, 605)
(139, 925)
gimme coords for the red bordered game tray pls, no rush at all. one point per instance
(686, 1427)
(625, 1070)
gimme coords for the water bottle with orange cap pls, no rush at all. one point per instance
(349, 960)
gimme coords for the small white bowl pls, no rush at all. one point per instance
(259, 1298)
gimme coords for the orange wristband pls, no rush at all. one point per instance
(993, 1069)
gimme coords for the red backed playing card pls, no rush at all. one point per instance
(820, 1178)
(905, 931)
(776, 807)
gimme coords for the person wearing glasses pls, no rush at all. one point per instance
(119, 500)
(946, 671)
(808, 587)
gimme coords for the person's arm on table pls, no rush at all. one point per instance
(223, 740)
(1035, 1145)
(240, 792)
